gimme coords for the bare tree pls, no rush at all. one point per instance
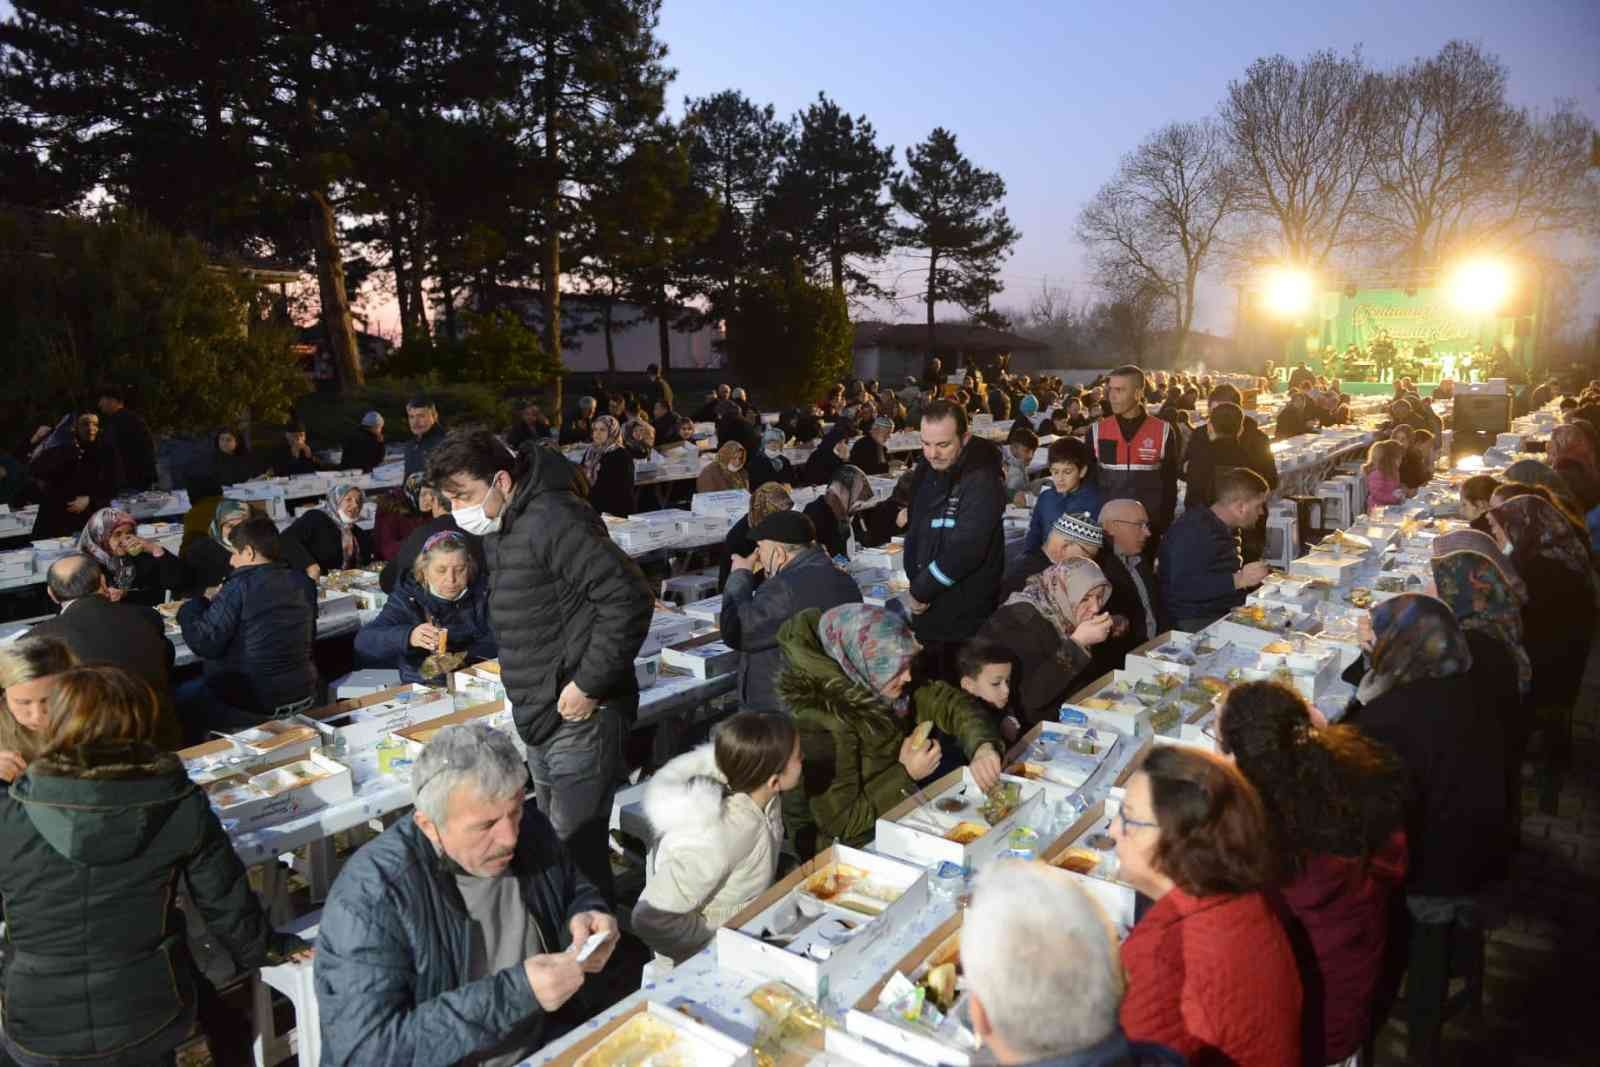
(1458, 167)
(1157, 221)
(1302, 136)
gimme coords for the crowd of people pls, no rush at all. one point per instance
(1289, 881)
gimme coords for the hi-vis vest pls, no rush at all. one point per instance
(1131, 470)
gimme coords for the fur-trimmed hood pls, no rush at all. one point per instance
(102, 804)
(687, 793)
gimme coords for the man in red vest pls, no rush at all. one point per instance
(1137, 453)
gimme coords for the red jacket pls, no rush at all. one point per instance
(1215, 979)
(1343, 905)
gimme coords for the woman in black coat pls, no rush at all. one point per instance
(76, 477)
(1417, 694)
(137, 570)
(770, 464)
(609, 468)
(442, 605)
(831, 453)
(329, 534)
(1050, 629)
(96, 833)
(209, 559)
(831, 512)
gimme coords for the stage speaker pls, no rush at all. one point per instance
(1481, 413)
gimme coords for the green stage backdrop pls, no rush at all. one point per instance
(1425, 316)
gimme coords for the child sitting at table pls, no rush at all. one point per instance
(1416, 467)
(986, 675)
(1383, 473)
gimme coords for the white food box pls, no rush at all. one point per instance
(354, 725)
(496, 714)
(1116, 898)
(728, 502)
(333, 604)
(667, 517)
(364, 683)
(705, 1046)
(636, 537)
(740, 946)
(707, 610)
(890, 557)
(647, 671)
(271, 796)
(1043, 755)
(1247, 636)
(856, 1051)
(900, 835)
(870, 1019)
(703, 657)
(693, 531)
(666, 629)
(1157, 657)
(1338, 569)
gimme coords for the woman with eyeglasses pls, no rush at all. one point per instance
(1211, 973)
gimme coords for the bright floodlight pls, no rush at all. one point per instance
(1480, 286)
(1288, 291)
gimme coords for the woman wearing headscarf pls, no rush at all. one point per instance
(1416, 695)
(1490, 614)
(1558, 619)
(1481, 543)
(770, 464)
(831, 512)
(766, 499)
(1573, 455)
(1050, 628)
(609, 469)
(397, 514)
(725, 472)
(441, 606)
(847, 681)
(229, 462)
(136, 570)
(330, 535)
(870, 452)
(207, 558)
(832, 452)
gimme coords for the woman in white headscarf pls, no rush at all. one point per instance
(331, 535)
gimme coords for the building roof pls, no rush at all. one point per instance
(947, 337)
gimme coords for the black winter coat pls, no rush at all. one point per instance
(869, 455)
(395, 945)
(823, 461)
(566, 604)
(318, 534)
(206, 562)
(95, 840)
(154, 576)
(66, 472)
(256, 637)
(612, 491)
(129, 439)
(1449, 738)
(419, 448)
(361, 451)
(955, 552)
(752, 614)
(1046, 668)
(130, 636)
(385, 642)
(1125, 601)
(764, 468)
(833, 533)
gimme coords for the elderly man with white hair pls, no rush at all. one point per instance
(458, 933)
(1044, 973)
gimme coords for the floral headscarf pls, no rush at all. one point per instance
(869, 644)
(594, 453)
(226, 509)
(96, 541)
(1476, 591)
(1571, 443)
(1532, 472)
(1481, 543)
(333, 505)
(1056, 591)
(1538, 531)
(1416, 637)
(413, 486)
(729, 454)
(769, 498)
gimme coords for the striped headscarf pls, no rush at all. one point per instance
(95, 540)
(869, 644)
(1477, 592)
(1416, 637)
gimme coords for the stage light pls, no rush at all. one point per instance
(1288, 291)
(1480, 286)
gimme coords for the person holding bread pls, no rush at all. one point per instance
(865, 726)
(442, 606)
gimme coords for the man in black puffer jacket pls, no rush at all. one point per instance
(570, 610)
(256, 638)
(955, 553)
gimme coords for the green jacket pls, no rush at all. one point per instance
(95, 840)
(851, 741)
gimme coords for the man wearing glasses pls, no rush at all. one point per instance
(1137, 610)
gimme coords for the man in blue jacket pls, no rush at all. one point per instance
(800, 575)
(1203, 573)
(459, 933)
(255, 635)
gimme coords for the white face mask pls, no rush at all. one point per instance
(1508, 548)
(775, 452)
(473, 520)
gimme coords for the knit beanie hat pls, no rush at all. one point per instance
(1080, 528)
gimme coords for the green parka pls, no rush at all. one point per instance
(851, 740)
